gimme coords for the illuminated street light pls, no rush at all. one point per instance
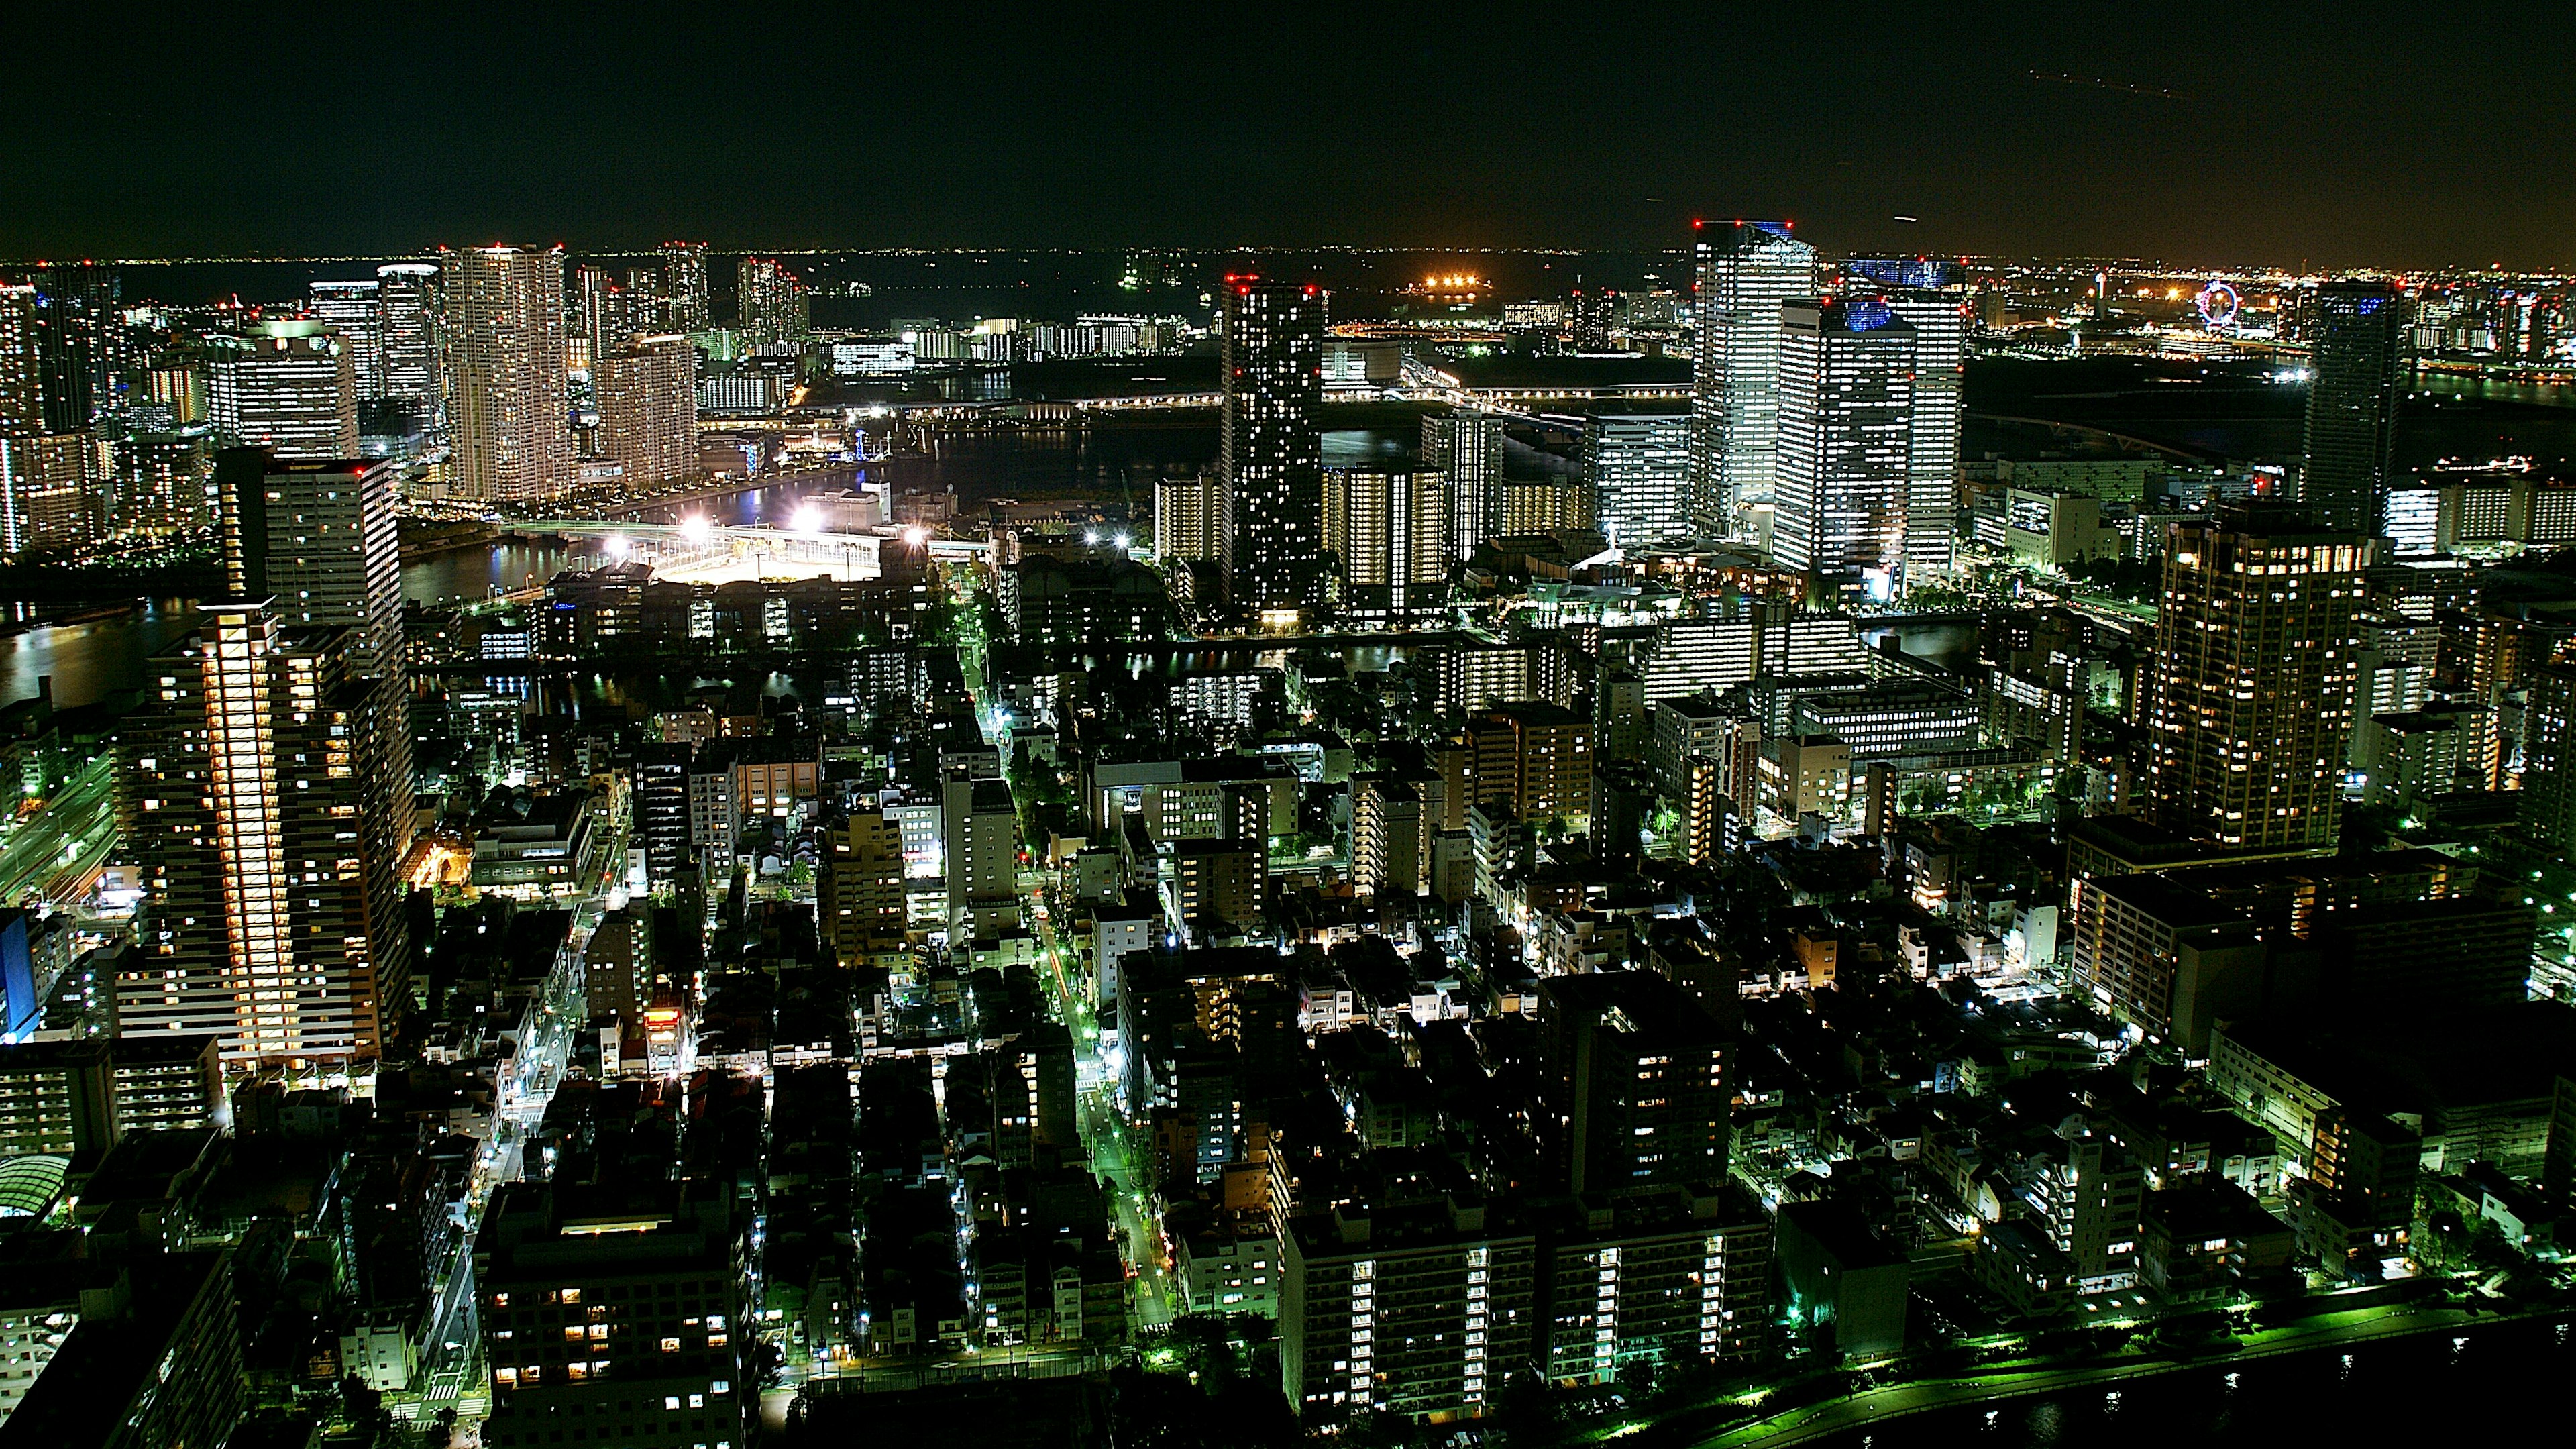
(696, 528)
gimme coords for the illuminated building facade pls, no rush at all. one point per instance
(770, 300)
(1192, 522)
(21, 393)
(355, 311)
(318, 536)
(1940, 322)
(2358, 350)
(270, 921)
(45, 490)
(1638, 467)
(1468, 446)
(502, 330)
(1388, 537)
(2249, 708)
(290, 387)
(1269, 446)
(1747, 271)
(1846, 445)
(407, 335)
(684, 286)
(648, 409)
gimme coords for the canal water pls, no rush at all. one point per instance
(2434, 1389)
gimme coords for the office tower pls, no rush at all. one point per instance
(502, 330)
(2547, 802)
(1468, 446)
(1638, 466)
(1747, 271)
(1634, 1075)
(1269, 443)
(2249, 703)
(1387, 535)
(356, 312)
(21, 364)
(46, 483)
(684, 286)
(317, 538)
(769, 300)
(1915, 291)
(81, 343)
(290, 387)
(1846, 436)
(2357, 351)
(648, 409)
(273, 917)
(407, 332)
(1192, 521)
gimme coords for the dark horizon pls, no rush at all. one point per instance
(2202, 136)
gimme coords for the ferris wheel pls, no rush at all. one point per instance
(2217, 303)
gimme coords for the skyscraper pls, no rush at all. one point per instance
(2548, 795)
(1916, 290)
(407, 331)
(1269, 444)
(290, 386)
(769, 300)
(2249, 704)
(1638, 466)
(508, 397)
(1388, 537)
(684, 285)
(1846, 437)
(1747, 270)
(317, 537)
(22, 409)
(269, 922)
(2357, 348)
(81, 343)
(599, 311)
(45, 490)
(271, 774)
(648, 409)
(355, 311)
(1468, 446)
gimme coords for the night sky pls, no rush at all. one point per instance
(2337, 134)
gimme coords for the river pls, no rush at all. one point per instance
(2415, 1390)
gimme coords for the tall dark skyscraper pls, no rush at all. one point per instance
(80, 342)
(2358, 352)
(1270, 448)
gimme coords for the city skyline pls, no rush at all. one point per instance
(1773, 823)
